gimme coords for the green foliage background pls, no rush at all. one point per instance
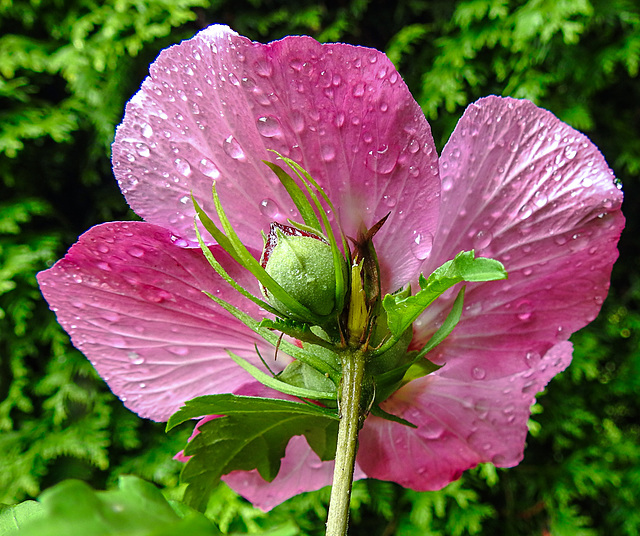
(66, 71)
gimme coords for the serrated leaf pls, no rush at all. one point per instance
(402, 312)
(136, 508)
(253, 435)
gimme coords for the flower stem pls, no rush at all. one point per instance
(350, 421)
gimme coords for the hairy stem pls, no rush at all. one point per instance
(350, 420)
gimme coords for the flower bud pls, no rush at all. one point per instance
(302, 264)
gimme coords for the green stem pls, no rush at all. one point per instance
(350, 420)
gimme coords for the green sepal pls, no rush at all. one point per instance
(297, 330)
(402, 312)
(280, 384)
(311, 357)
(232, 244)
(338, 258)
(297, 196)
(253, 434)
(377, 411)
(213, 262)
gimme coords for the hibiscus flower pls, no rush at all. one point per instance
(513, 183)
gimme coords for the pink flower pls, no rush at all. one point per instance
(513, 183)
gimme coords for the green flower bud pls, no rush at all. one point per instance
(302, 264)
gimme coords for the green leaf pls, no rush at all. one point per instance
(14, 517)
(136, 508)
(402, 312)
(253, 435)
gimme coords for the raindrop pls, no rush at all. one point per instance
(103, 248)
(389, 201)
(414, 146)
(524, 310)
(421, 245)
(147, 131)
(143, 149)
(540, 199)
(269, 208)
(104, 266)
(431, 430)
(414, 171)
(328, 153)
(135, 251)
(525, 211)
(182, 167)
(195, 109)
(297, 121)
(358, 90)
(232, 148)
(570, 152)
(135, 358)
(384, 107)
(532, 358)
(208, 168)
(268, 126)
(482, 239)
(478, 373)
(264, 68)
(447, 183)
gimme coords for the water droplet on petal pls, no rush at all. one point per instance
(570, 152)
(147, 131)
(103, 248)
(478, 373)
(421, 245)
(328, 153)
(482, 239)
(358, 90)
(532, 358)
(182, 167)
(431, 430)
(268, 126)
(269, 208)
(524, 311)
(208, 168)
(232, 148)
(414, 146)
(389, 201)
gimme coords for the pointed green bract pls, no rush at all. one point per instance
(402, 312)
(213, 262)
(281, 386)
(299, 199)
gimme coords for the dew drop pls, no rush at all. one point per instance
(570, 152)
(103, 248)
(447, 183)
(358, 90)
(482, 239)
(478, 373)
(421, 245)
(208, 168)
(147, 131)
(268, 126)
(269, 208)
(232, 148)
(182, 167)
(143, 149)
(524, 310)
(179, 350)
(540, 199)
(414, 146)
(532, 358)
(135, 358)
(431, 430)
(328, 153)
(389, 201)
(135, 251)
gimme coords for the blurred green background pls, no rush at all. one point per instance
(67, 67)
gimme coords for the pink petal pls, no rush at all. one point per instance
(460, 423)
(301, 470)
(132, 302)
(522, 187)
(215, 105)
